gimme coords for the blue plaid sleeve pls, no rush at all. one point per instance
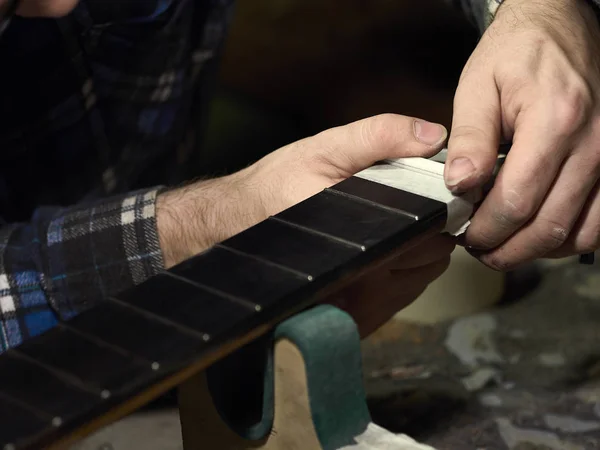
(66, 260)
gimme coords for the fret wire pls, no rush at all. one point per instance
(318, 233)
(266, 261)
(366, 201)
(219, 293)
(184, 329)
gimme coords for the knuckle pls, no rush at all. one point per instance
(551, 235)
(572, 108)
(387, 119)
(467, 138)
(381, 129)
(484, 240)
(513, 212)
(466, 131)
(482, 236)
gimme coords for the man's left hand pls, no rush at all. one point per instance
(534, 79)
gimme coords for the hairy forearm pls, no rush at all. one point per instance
(193, 218)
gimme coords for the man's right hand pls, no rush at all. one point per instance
(193, 218)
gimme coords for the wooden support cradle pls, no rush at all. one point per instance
(313, 396)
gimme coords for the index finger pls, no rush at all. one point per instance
(475, 135)
(538, 150)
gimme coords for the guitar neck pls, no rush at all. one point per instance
(128, 350)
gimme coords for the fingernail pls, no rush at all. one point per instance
(460, 169)
(429, 133)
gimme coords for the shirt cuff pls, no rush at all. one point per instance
(490, 11)
(97, 251)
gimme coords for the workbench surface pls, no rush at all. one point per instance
(524, 375)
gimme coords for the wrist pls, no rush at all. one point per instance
(193, 218)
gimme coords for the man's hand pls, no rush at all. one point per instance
(193, 218)
(534, 79)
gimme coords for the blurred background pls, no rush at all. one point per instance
(295, 67)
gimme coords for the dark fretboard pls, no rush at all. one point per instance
(133, 347)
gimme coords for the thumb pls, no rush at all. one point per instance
(358, 145)
(475, 135)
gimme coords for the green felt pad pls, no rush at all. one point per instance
(329, 342)
(242, 385)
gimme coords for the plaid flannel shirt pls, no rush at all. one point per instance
(95, 110)
(94, 106)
